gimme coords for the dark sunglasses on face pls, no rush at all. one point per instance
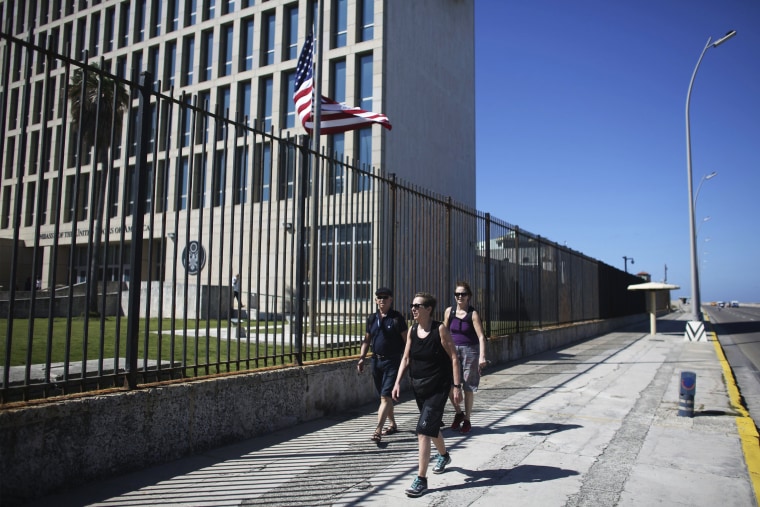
(460, 294)
(417, 306)
(382, 298)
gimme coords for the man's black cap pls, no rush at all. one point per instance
(383, 291)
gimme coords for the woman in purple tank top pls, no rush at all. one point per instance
(467, 333)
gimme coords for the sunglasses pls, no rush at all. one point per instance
(460, 294)
(382, 298)
(417, 306)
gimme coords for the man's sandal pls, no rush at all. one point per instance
(390, 430)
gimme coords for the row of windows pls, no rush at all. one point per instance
(250, 172)
(116, 27)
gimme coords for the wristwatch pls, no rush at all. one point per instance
(458, 386)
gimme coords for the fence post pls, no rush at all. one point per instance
(300, 232)
(142, 132)
(489, 295)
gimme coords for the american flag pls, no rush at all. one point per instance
(335, 117)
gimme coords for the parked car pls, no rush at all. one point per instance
(721, 304)
(734, 304)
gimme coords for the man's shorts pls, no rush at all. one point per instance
(384, 372)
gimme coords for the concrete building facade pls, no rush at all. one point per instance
(411, 60)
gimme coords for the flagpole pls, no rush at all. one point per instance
(317, 110)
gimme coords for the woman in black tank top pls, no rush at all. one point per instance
(431, 358)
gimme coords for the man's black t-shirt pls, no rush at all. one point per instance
(388, 334)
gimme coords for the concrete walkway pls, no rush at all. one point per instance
(594, 424)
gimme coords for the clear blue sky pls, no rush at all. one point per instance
(581, 133)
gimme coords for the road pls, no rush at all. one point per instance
(738, 331)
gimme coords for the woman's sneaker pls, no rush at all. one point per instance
(419, 485)
(440, 465)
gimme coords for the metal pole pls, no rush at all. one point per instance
(695, 298)
(314, 209)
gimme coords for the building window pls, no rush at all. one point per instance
(182, 179)
(153, 66)
(173, 16)
(218, 179)
(207, 56)
(345, 262)
(266, 86)
(94, 34)
(223, 99)
(156, 18)
(110, 20)
(287, 175)
(244, 99)
(140, 21)
(170, 65)
(339, 80)
(262, 173)
(209, 10)
(336, 171)
(228, 6)
(124, 25)
(340, 23)
(367, 17)
(247, 44)
(363, 179)
(188, 52)
(365, 82)
(227, 49)
(289, 106)
(267, 57)
(240, 180)
(291, 31)
(191, 14)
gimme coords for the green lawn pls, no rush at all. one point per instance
(68, 340)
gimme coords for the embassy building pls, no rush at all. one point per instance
(221, 192)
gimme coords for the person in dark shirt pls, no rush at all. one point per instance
(385, 333)
(433, 367)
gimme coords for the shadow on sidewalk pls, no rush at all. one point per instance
(519, 474)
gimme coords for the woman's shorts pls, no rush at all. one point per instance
(469, 361)
(431, 412)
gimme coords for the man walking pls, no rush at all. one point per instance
(386, 334)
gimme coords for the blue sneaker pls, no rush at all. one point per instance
(419, 485)
(440, 465)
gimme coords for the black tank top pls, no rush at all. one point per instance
(427, 356)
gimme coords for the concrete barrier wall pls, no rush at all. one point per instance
(50, 445)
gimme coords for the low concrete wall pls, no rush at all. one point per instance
(49, 445)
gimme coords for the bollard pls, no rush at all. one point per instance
(686, 394)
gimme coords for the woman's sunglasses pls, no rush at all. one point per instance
(417, 306)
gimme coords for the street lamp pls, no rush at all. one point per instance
(706, 219)
(699, 187)
(625, 261)
(695, 300)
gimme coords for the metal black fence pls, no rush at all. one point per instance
(127, 211)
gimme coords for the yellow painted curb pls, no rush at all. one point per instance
(747, 429)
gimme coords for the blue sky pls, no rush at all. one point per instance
(581, 132)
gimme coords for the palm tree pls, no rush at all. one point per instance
(96, 111)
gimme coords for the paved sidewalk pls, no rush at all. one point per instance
(593, 424)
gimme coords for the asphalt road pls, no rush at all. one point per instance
(738, 331)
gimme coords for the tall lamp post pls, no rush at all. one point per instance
(695, 299)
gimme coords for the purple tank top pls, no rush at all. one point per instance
(462, 330)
